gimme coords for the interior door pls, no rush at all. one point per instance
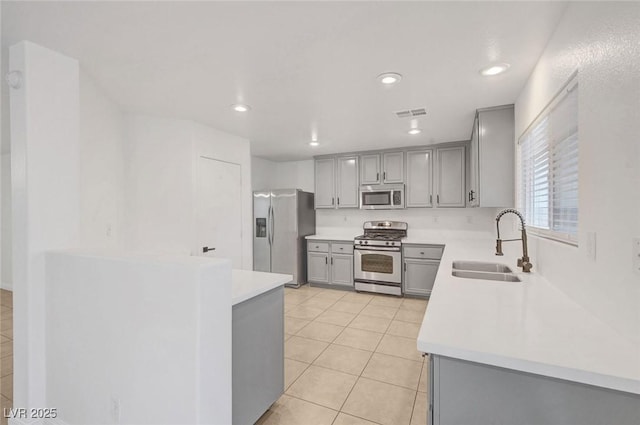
(219, 210)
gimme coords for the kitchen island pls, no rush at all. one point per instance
(258, 342)
(520, 352)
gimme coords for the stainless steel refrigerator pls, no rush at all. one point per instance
(281, 220)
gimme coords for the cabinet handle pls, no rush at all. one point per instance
(338, 200)
(438, 199)
(384, 175)
(326, 260)
(317, 246)
(430, 199)
(421, 253)
(332, 201)
(377, 176)
(332, 261)
(405, 267)
(471, 195)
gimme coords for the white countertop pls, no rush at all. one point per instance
(247, 284)
(342, 237)
(529, 326)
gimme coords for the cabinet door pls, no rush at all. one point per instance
(370, 169)
(450, 189)
(419, 276)
(317, 267)
(474, 164)
(342, 269)
(347, 187)
(393, 167)
(325, 183)
(419, 180)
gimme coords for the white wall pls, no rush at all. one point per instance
(459, 219)
(262, 173)
(601, 40)
(119, 331)
(161, 156)
(5, 228)
(102, 135)
(45, 198)
(268, 174)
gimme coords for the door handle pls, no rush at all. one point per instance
(273, 225)
(206, 249)
(269, 231)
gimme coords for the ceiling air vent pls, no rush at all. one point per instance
(411, 113)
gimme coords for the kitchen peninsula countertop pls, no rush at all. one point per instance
(247, 284)
(529, 326)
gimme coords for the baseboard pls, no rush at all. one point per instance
(6, 285)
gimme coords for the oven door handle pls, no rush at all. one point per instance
(382, 248)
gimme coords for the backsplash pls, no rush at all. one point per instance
(471, 219)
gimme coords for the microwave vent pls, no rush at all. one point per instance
(411, 113)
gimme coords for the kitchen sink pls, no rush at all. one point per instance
(478, 266)
(500, 277)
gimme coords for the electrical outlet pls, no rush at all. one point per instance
(636, 255)
(591, 246)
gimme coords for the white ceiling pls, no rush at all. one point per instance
(302, 66)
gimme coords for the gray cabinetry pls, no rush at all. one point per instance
(450, 179)
(393, 167)
(370, 169)
(419, 179)
(420, 266)
(347, 182)
(491, 158)
(467, 393)
(325, 183)
(330, 263)
(336, 182)
(258, 355)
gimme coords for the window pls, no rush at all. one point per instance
(548, 168)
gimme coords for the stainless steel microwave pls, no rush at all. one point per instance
(382, 197)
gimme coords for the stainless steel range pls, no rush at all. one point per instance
(377, 257)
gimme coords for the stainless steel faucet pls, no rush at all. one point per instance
(524, 261)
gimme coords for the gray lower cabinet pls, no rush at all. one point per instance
(330, 263)
(258, 355)
(420, 266)
(468, 393)
(317, 267)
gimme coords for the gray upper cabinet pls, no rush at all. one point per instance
(393, 167)
(370, 169)
(491, 183)
(419, 179)
(325, 183)
(336, 182)
(450, 180)
(347, 182)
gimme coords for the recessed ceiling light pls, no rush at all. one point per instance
(314, 144)
(496, 69)
(389, 78)
(414, 131)
(239, 107)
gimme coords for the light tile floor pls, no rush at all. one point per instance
(6, 352)
(351, 359)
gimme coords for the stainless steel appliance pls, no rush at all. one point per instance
(281, 220)
(382, 197)
(377, 257)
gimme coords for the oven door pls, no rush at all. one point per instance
(378, 265)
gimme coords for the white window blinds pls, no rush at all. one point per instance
(548, 168)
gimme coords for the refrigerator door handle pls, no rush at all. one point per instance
(269, 225)
(272, 224)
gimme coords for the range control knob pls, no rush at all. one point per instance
(387, 243)
(366, 242)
